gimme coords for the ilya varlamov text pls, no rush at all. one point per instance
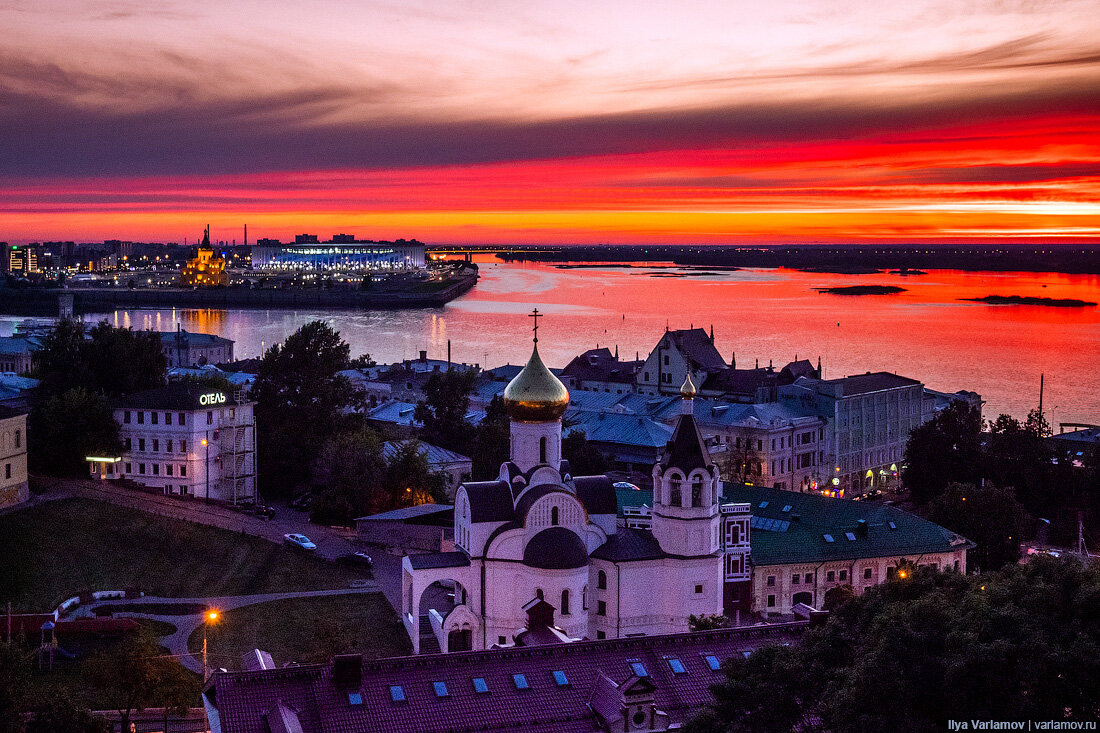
(1020, 725)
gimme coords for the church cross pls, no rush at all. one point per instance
(535, 314)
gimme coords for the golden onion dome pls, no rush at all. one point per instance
(535, 394)
(688, 391)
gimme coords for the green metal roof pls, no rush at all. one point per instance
(798, 535)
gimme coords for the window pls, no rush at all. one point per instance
(520, 681)
(209, 417)
(397, 693)
(601, 608)
(771, 601)
(183, 446)
(843, 575)
(771, 581)
(182, 418)
(183, 470)
(809, 578)
(712, 662)
(141, 417)
(677, 666)
(167, 418)
(697, 492)
(554, 516)
(153, 417)
(698, 589)
(639, 669)
(440, 689)
(565, 602)
(168, 469)
(156, 445)
(601, 580)
(129, 468)
(867, 573)
(7, 470)
(763, 504)
(674, 498)
(355, 698)
(787, 507)
(168, 448)
(542, 449)
(828, 537)
(794, 579)
(480, 685)
(851, 537)
(560, 678)
(156, 469)
(141, 443)
(129, 444)
(141, 468)
(126, 417)
(584, 598)
(601, 635)
(830, 576)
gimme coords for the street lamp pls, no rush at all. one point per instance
(208, 618)
(206, 471)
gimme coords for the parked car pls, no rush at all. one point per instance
(626, 485)
(301, 502)
(262, 510)
(299, 541)
(359, 559)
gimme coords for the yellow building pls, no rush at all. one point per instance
(206, 269)
(14, 488)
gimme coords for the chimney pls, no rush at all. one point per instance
(423, 355)
(733, 360)
(861, 528)
(347, 670)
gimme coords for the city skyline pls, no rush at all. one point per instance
(565, 122)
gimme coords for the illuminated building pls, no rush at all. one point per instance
(339, 256)
(206, 269)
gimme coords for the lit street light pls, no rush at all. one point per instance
(208, 618)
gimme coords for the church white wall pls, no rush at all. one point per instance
(527, 443)
(513, 584)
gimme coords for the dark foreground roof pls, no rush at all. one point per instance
(320, 704)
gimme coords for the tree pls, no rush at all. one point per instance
(14, 683)
(66, 428)
(584, 458)
(300, 402)
(410, 479)
(60, 363)
(63, 714)
(928, 647)
(137, 674)
(989, 516)
(348, 475)
(122, 361)
(946, 448)
(442, 412)
(705, 622)
(491, 441)
(742, 461)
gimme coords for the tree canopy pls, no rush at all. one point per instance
(946, 448)
(301, 401)
(66, 428)
(442, 412)
(989, 516)
(908, 655)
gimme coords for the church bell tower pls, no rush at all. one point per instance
(686, 488)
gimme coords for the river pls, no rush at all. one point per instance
(770, 315)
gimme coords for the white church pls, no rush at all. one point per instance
(539, 557)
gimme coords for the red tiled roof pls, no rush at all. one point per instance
(242, 698)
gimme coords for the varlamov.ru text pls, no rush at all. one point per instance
(954, 725)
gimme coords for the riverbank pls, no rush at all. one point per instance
(45, 302)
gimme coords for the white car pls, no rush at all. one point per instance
(299, 540)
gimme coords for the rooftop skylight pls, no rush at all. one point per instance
(521, 681)
(480, 685)
(397, 694)
(677, 666)
(440, 689)
(639, 669)
(712, 662)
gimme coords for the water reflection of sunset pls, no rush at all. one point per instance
(927, 331)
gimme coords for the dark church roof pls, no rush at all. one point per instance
(556, 548)
(490, 501)
(629, 544)
(685, 450)
(597, 493)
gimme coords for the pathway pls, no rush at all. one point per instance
(176, 643)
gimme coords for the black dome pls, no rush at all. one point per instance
(556, 548)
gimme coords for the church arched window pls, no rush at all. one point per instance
(697, 491)
(542, 449)
(584, 598)
(601, 580)
(554, 516)
(674, 495)
(565, 602)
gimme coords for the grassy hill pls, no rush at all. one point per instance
(53, 551)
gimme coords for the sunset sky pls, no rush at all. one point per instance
(551, 121)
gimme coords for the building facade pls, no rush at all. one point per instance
(14, 487)
(339, 257)
(187, 439)
(186, 349)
